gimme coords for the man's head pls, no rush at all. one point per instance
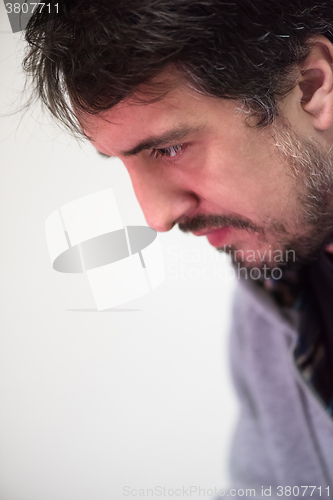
(221, 111)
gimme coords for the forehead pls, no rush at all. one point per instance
(131, 122)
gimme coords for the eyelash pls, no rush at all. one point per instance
(165, 152)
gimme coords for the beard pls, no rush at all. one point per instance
(310, 166)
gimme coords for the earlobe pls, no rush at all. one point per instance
(316, 84)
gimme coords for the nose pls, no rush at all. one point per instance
(163, 200)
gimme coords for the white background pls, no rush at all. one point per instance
(138, 396)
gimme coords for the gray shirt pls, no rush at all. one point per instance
(284, 437)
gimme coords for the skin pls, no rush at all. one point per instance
(224, 173)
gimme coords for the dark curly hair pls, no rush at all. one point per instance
(95, 54)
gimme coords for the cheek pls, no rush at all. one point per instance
(250, 185)
(256, 171)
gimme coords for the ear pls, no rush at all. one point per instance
(316, 84)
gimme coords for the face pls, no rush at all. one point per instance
(194, 162)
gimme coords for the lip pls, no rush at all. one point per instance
(216, 237)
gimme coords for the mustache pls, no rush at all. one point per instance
(212, 222)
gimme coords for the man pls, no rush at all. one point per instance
(222, 113)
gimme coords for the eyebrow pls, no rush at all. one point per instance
(158, 141)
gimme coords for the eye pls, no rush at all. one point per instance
(169, 152)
